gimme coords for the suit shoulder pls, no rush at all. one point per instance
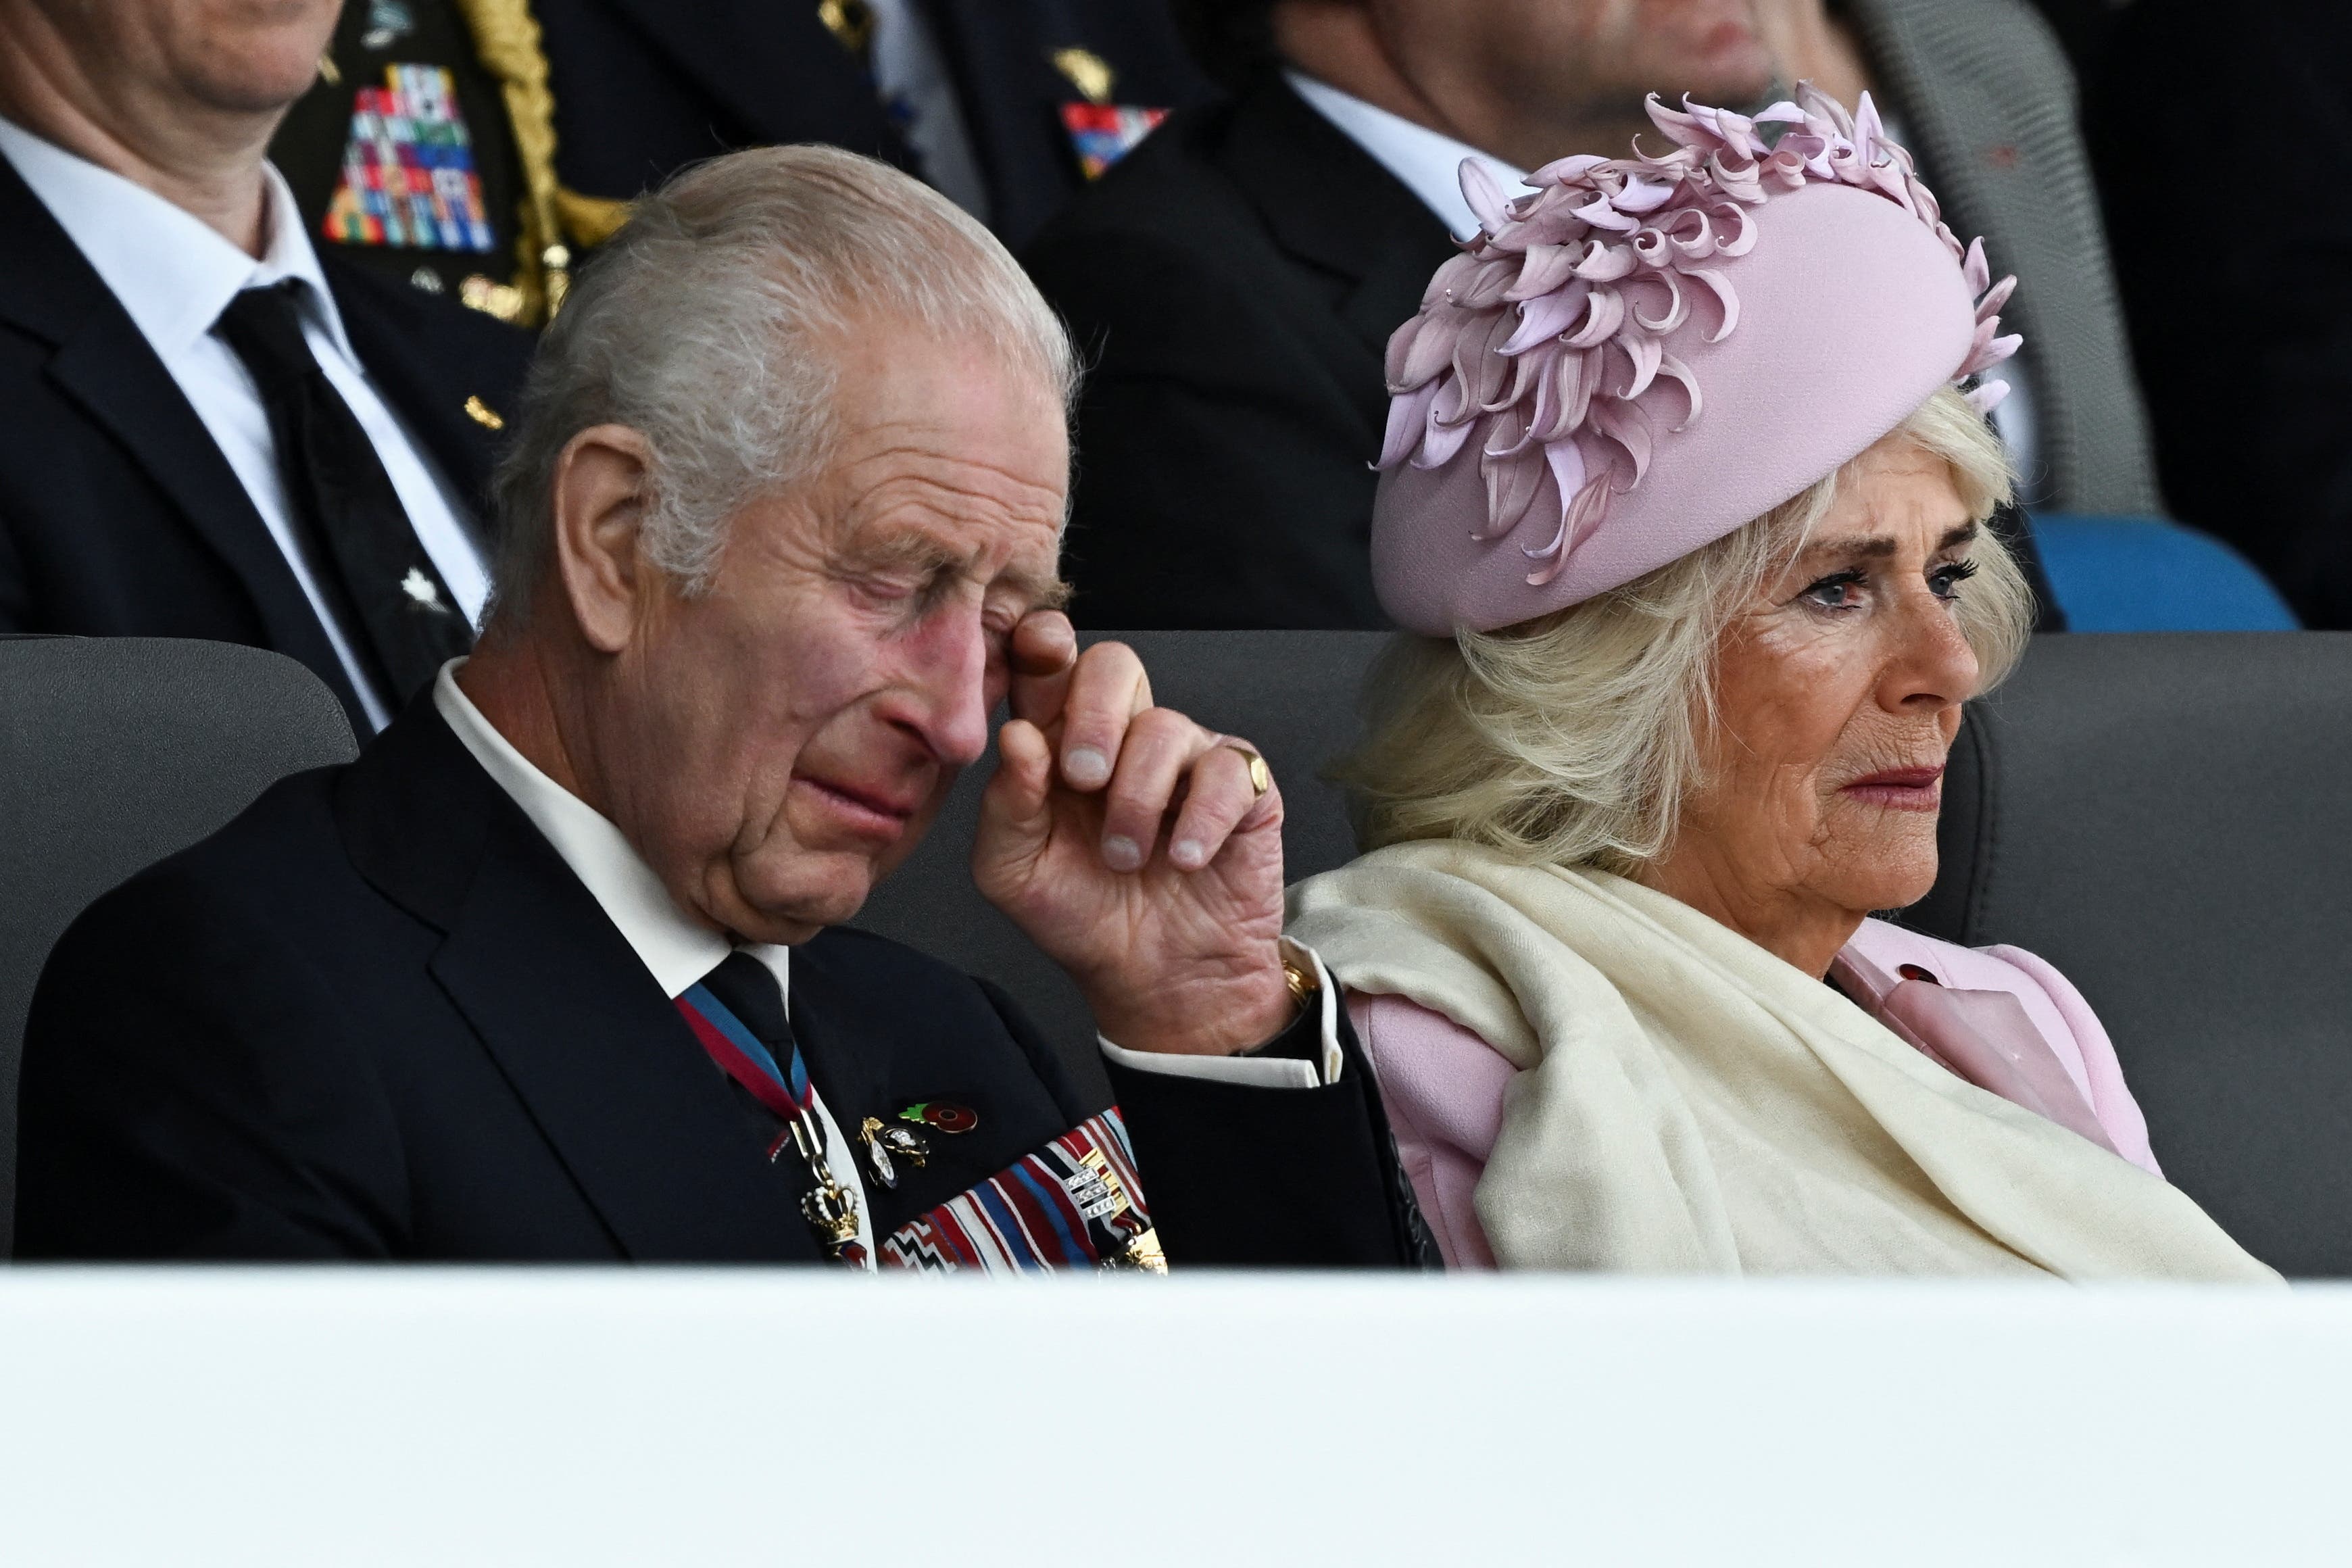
(284, 836)
(876, 965)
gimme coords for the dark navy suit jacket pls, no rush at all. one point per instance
(378, 1017)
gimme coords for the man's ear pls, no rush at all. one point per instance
(603, 483)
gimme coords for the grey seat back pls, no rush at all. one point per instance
(1291, 694)
(114, 753)
(2168, 819)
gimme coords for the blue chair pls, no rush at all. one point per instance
(2140, 575)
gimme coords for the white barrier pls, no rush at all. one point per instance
(575, 1417)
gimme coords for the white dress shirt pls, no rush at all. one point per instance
(1258, 1072)
(1426, 163)
(676, 950)
(174, 274)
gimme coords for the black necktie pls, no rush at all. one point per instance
(748, 989)
(354, 533)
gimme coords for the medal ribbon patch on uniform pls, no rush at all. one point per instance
(1074, 1203)
(409, 180)
(1103, 134)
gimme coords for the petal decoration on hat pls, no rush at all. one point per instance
(1545, 318)
(1987, 395)
(1680, 373)
(1725, 296)
(1677, 308)
(1547, 267)
(1407, 416)
(1484, 196)
(1604, 312)
(1973, 268)
(1523, 334)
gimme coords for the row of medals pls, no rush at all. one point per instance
(832, 1209)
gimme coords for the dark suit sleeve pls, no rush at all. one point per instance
(164, 1115)
(1223, 475)
(1238, 1176)
(1074, 1102)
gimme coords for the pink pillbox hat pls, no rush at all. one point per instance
(1647, 352)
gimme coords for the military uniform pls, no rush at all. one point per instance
(403, 158)
(473, 148)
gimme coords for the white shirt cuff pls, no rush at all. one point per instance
(1258, 1072)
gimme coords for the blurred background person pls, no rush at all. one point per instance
(481, 148)
(213, 432)
(1007, 106)
(2253, 413)
(1686, 667)
(1235, 278)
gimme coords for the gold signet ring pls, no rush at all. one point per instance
(1261, 777)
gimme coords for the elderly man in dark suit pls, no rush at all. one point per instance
(212, 433)
(552, 972)
(1235, 281)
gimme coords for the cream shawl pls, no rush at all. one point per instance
(1689, 1102)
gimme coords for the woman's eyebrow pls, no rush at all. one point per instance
(1879, 546)
(1864, 547)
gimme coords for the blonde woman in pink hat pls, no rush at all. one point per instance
(1684, 508)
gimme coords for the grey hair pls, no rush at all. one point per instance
(709, 325)
(1574, 739)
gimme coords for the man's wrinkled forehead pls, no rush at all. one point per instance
(950, 462)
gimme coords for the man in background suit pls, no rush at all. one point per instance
(1006, 106)
(553, 971)
(210, 433)
(1235, 281)
(1238, 276)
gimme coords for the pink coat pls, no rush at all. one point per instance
(1998, 1016)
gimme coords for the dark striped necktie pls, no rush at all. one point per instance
(349, 524)
(736, 1014)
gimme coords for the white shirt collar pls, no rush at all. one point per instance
(174, 272)
(1427, 163)
(678, 950)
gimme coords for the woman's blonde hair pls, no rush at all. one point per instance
(1574, 739)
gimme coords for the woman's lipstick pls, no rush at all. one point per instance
(1900, 789)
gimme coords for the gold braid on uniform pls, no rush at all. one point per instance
(506, 38)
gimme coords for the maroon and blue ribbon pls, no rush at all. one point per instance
(741, 1055)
